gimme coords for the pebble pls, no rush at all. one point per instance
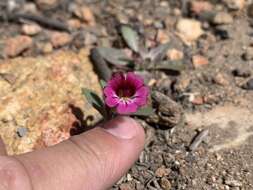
(165, 184)
(222, 18)
(175, 55)
(31, 29)
(233, 183)
(198, 7)
(189, 30)
(16, 45)
(74, 23)
(162, 172)
(59, 39)
(162, 37)
(248, 55)
(240, 72)
(85, 14)
(126, 186)
(47, 48)
(235, 4)
(22, 131)
(196, 99)
(199, 61)
(222, 79)
(90, 39)
(47, 4)
(248, 85)
(30, 7)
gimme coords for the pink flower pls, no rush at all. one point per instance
(126, 93)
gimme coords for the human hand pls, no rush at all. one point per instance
(94, 160)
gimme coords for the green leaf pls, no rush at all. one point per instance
(94, 100)
(131, 37)
(159, 52)
(103, 83)
(144, 111)
(114, 56)
(170, 65)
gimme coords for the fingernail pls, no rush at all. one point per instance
(122, 127)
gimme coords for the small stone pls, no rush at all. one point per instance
(199, 61)
(74, 23)
(122, 18)
(162, 37)
(158, 25)
(59, 39)
(22, 131)
(240, 72)
(222, 79)
(16, 45)
(31, 29)
(177, 12)
(162, 172)
(248, 55)
(47, 48)
(174, 55)
(30, 7)
(126, 186)
(196, 99)
(165, 184)
(233, 183)
(47, 4)
(84, 13)
(189, 30)
(198, 7)
(182, 83)
(235, 4)
(248, 85)
(90, 39)
(222, 18)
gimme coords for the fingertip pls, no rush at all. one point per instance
(124, 127)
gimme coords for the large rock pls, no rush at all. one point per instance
(44, 96)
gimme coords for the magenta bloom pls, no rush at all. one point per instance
(126, 92)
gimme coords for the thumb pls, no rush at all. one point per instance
(94, 160)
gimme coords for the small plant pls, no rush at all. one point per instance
(123, 94)
(143, 59)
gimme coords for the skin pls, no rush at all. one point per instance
(94, 160)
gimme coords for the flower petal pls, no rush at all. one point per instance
(126, 107)
(134, 79)
(143, 91)
(108, 91)
(116, 81)
(140, 101)
(111, 101)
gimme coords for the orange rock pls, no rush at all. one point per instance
(84, 13)
(196, 99)
(199, 61)
(47, 4)
(162, 37)
(74, 23)
(59, 39)
(31, 29)
(198, 7)
(45, 97)
(15, 46)
(174, 54)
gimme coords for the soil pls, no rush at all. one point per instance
(216, 97)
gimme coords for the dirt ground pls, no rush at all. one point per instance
(215, 90)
